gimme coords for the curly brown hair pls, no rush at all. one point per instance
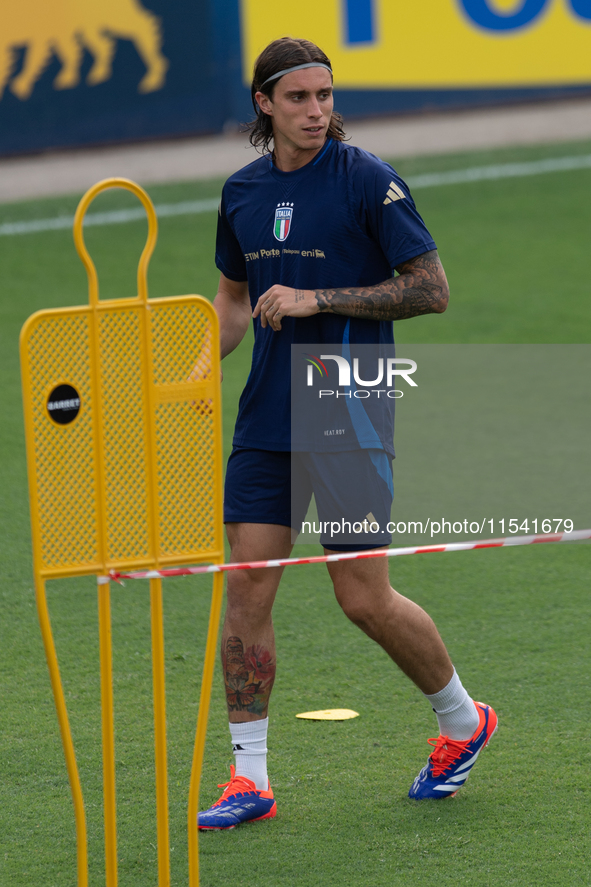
(287, 52)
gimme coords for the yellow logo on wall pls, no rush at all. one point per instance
(64, 29)
(421, 44)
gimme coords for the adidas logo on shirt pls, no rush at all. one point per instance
(394, 193)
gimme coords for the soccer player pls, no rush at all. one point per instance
(318, 242)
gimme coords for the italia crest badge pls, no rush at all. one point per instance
(282, 223)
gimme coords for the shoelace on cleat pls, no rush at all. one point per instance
(238, 785)
(446, 752)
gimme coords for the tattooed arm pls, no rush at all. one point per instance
(420, 288)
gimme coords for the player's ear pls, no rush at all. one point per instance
(264, 103)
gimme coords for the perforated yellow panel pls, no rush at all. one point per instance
(187, 455)
(135, 478)
(58, 352)
(124, 435)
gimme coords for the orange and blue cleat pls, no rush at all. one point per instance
(449, 765)
(240, 802)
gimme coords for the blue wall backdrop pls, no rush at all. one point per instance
(191, 51)
(91, 72)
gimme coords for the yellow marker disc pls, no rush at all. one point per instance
(329, 714)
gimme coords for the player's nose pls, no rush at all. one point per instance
(314, 109)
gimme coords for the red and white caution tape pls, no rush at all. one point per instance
(574, 536)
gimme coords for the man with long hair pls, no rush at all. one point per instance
(372, 262)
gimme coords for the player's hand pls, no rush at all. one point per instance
(283, 301)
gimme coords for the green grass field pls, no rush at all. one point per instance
(515, 621)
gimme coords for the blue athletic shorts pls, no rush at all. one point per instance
(350, 488)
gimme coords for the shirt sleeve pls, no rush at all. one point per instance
(388, 213)
(228, 254)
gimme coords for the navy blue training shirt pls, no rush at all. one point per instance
(345, 219)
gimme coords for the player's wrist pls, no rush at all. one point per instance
(322, 304)
(312, 301)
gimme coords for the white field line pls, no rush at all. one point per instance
(195, 207)
(116, 217)
(500, 171)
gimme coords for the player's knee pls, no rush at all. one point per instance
(356, 608)
(250, 596)
(367, 603)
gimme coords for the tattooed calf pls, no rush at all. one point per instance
(248, 676)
